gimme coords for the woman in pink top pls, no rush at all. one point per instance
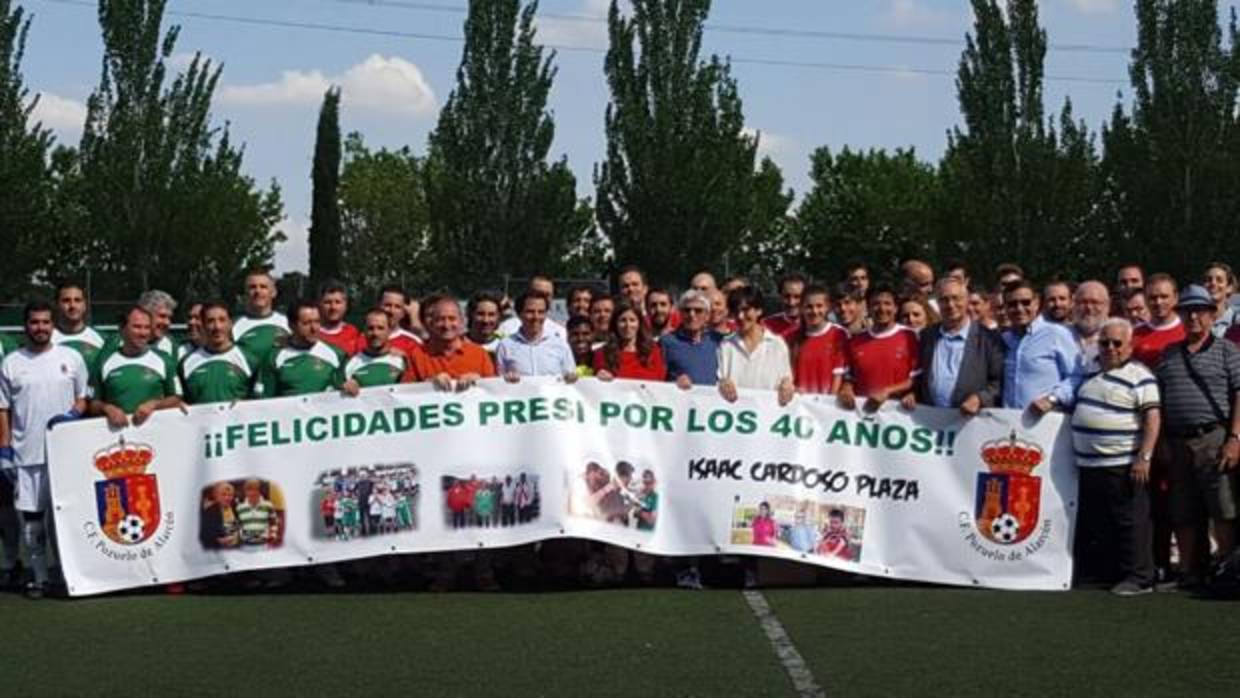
(764, 526)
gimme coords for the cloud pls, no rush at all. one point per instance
(587, 28)
(294, 253)
(772, 145)
(63, 115)
(913, 14)
(1095, 7)
(383, 84)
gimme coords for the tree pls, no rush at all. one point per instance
(1171, 162)
(676, 191)
(497, 207)
(1012, 190)
(26, 185)
(161, 196)
(767, 247)
(875, 206)
(383, 210)
(325, 207)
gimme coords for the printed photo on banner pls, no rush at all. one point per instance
(800, 525)
(623, 495)
(497, 501)
(244, 513)
(366, 500)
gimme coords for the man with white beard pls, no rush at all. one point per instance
(1091, 305)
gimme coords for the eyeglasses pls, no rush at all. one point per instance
(1021, 302)
(1110, 343)
(695, 310)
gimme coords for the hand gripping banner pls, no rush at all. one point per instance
(926, 495)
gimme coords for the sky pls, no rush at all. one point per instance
(812, 73)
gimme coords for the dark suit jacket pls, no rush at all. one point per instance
(981, 368)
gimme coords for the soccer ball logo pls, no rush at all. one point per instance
(131, 529)
(1005, 528)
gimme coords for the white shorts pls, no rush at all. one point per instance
(32, 492)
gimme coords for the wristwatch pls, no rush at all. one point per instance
(1144, 457)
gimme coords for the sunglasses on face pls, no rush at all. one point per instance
(695, 310)
(1020, 302)
(1110, 343)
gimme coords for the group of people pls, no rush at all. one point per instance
(831, 539)
(255, 520)
(1146, 366)
(362, 502)
(474, 502)
(625, 498)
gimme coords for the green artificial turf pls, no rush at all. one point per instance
(863, 641)
(613, 643)
(945, 642)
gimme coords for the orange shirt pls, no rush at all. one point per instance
(429, 361)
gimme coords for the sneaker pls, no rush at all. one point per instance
(689, 579)
(1131, 588)
(1185, 583)
(35, 591)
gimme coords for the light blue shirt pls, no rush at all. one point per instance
(548, 355)
(948, 355)
(1045, 361)
(803, 537)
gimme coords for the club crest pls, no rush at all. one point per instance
(1008, 496)
(127, 499)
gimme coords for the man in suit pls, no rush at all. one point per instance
(961, 361)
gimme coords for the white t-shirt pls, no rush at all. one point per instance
(763, 369)
(34, 388)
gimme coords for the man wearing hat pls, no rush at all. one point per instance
(1199, 380)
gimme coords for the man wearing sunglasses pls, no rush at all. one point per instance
(1042, 366)
(1114, 429)
(692, 351)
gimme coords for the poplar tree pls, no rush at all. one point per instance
(1172, 158)
(1017, 187)
(26, 184)
(497, 206)
(676, 191)
(162, 198)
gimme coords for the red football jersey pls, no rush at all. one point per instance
(877, 361)
(818, 359)
(783, 324)
(405, 341)
(1149, 342)
(345, 337)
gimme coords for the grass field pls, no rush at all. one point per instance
(867, 641)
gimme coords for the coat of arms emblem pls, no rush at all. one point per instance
(1008, 495)
(127, 499)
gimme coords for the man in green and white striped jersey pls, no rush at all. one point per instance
(306, 364)
(132, 378)
(71, 329)
(220, 370)
(261, 328)
(378, 363)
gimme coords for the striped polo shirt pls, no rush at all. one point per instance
(1184, 404)
(1106, 424)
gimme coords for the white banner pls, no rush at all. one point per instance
(923, 496)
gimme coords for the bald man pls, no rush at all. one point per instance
(1091, 305)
